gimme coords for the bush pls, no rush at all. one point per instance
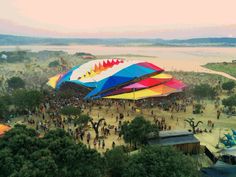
(228, 86)
(15, 83)
(15, 56)
(160, 162)
(53, 64)
(197, 109)
(229, 102)
(137, 132)
(204, 91)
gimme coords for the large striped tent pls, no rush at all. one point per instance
(119, 79)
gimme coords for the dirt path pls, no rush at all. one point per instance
(206, 70)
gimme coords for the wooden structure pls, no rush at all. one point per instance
(184, 141)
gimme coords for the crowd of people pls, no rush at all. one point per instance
(114, 113)
(49, 115)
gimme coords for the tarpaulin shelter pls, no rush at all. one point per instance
(119, 79)
(3, 129)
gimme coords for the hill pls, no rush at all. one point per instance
(25, 40)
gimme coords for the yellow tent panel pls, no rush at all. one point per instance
(134, 95)
(82, 77)
(87, 74)
(162, 76)
(92, 74)
(160, 90)
(53, 81)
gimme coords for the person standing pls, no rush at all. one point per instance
(99, 143)
(113, 145)
(218, 114)
(103, 144)
(95, 143)
(88, 137)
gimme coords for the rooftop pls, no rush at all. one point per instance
(174, 133)
(174, 138)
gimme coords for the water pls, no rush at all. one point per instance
(169, 58)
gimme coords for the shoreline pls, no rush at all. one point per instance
(185, 59)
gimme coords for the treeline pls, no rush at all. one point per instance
(14, 56)
(206, 91)
(24, 55)
(23, 153)
(19, 102)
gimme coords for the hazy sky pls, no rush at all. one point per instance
(119, 18)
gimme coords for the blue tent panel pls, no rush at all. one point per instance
(97, 89)
(115, 81)
(134, 71)
(65, 78)
(86, 84)
(108, 83)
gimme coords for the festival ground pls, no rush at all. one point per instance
(221, 126)
(38, 72)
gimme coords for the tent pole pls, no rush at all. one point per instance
(134, 95)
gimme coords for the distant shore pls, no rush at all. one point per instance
(190, 59)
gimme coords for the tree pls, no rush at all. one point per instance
(137, 131)
(82, 121)
(53, 64)
(71, 111)
(7, 99)
(228, 86)
(192, 124)
(3, 108)
(96, 125)
(160, 162)
(27, 99)
(116, 160)
(15, 56)
(15, 83)
(204, 91)
(198, 109)
(5, 102)
(229, 102)
(22, 153)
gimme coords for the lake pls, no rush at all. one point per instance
(169, 58)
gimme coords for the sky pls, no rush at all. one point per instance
(119, 18)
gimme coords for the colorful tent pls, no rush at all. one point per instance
(119, 79)
(3, 129)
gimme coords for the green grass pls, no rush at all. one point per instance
(196, 78)
(229, 68)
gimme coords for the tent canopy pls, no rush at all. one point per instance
(120, 79)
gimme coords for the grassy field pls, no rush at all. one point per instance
(229, 68)
(196, 78)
